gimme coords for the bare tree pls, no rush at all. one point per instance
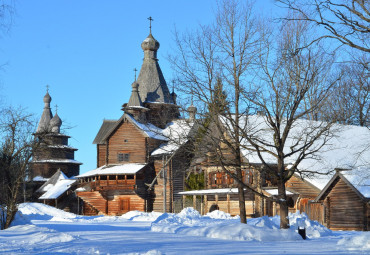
(7, 10)
(346, 21)
(15, 154)
(352, 98)
(220, 53)
(283, 136)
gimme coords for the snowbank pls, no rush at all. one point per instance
(216, 214)
(216, 224)
(28, 212)
(361, 242)
(32, 235)
(41, 229)
(313, 228)
(190, 222)
(141, 216)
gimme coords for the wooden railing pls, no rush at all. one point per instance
(113, 184)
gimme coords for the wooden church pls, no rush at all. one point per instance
(53, 165)
(54, 152)
(140, 165)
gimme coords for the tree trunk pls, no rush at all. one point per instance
(242, 211)
(284, 220)
(10, 214)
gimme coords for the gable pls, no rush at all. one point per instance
(128, 140)
(105, 129)
(344, 183)
(304, 188)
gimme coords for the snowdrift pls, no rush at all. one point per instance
(221, 225)
(42, 229)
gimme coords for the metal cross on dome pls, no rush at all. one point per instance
(47, 87)
(150, 23)
(56, 108)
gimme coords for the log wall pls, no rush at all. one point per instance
(346, 209)
(102, 154)
(127, 139)
(304, 188)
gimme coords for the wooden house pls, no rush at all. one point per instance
(344, 203)
(338, 203)
(58, 191)
(139, 165)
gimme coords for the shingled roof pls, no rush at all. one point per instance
(105, 128)
(152, 85)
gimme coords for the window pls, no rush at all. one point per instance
(247, 176)
(126, 141)
(123, 157)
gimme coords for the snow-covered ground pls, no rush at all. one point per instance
(40, 229)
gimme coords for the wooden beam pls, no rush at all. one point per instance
(228, 203)
(183, 201)
(195, 202)
(205, 204)
(201, 206)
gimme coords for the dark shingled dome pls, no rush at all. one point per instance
(150, 43)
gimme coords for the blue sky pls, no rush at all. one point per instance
(86, 51)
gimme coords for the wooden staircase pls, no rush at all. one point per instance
(94, 199)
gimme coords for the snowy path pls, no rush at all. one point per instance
(136, 237)
(116, 235)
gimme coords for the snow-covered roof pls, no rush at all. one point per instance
(360, 179)
(274, 192)
(176, 133)
(57, 161)
(55, 186)
(149, 129)
(346, 147)
(55, 191)
(40, 179)
(61, 146)
(129, 169)
(210, 191)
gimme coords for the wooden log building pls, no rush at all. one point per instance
(139, 166)
(53, 165)
(344, 203)
(143, 158)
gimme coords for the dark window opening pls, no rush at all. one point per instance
(123, 157)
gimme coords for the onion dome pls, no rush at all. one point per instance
(150, 43)
(46, 115)
(47, 98)
(55, 124)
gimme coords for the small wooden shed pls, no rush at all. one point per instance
(346, 200)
